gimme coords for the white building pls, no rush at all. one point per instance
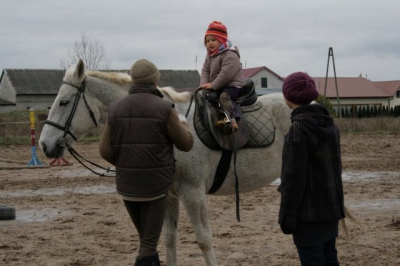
(265, 80)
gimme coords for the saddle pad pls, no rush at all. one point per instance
(262, 128)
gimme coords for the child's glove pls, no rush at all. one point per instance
(182, 118)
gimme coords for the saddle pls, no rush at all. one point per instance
(256, 128)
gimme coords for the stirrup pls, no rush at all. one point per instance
(221, 123)
(226, 116)
(232, 126)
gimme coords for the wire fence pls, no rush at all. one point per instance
(19, 133)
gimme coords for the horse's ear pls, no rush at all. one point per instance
(80, 68)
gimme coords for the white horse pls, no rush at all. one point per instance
(92, 90)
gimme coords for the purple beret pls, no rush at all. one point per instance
(299, 88)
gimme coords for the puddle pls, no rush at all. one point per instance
(366, 175)
(347, 176)
(386, 204)
(58, 191)
(45, 214)
(84, 173)
(42, 215)
(277, 182)
(358, 175)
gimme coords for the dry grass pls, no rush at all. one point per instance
(376, 125)
(15, 127)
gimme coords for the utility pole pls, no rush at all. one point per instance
(330, 53)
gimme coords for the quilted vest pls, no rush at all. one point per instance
(142, 150)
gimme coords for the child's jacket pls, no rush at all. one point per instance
(223, 70)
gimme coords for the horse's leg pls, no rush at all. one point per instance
(170, 228)
(195, 204)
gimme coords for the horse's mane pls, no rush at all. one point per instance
(123, 79)
(116, 77)
(178, 97)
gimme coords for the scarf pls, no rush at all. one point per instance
(222, 48)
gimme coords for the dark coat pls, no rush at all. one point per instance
(311, 178)
(142, 151)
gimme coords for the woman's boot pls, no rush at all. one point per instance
(152, 260)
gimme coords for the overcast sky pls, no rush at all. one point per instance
(283, 35)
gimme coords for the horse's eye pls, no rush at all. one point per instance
(63, 103)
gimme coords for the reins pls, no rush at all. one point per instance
(234, 160)
(191, 101)
(78, 157)
(81, 91)
(62, 141)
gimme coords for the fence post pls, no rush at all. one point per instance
(34, 160)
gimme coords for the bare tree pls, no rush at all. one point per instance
(92, 52)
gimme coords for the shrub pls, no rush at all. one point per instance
(324, 101)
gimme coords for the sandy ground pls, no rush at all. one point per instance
(68, 216)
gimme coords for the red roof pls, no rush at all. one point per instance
(356, 87)
(390, 86)
(249, 72)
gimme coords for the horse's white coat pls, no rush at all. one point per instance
(194, 170)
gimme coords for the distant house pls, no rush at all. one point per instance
(265, 80)
(21, 89)
(25, 88)
(359, 91)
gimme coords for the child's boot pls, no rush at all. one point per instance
(221, 123)
(234, 124)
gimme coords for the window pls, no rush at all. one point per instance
(398, 94)
(264, 83)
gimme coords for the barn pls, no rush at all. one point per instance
(21, 89)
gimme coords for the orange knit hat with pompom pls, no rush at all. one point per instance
(218, 30)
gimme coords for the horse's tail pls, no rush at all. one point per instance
(349, 215)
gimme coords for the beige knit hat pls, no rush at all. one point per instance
(144, 72)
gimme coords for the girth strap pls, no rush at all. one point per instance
(220, 175)
(222, 170)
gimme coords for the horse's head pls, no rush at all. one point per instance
(72, 114)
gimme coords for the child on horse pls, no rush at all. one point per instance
(222, 70)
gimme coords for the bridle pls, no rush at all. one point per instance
(62, 141)
(65, 128)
